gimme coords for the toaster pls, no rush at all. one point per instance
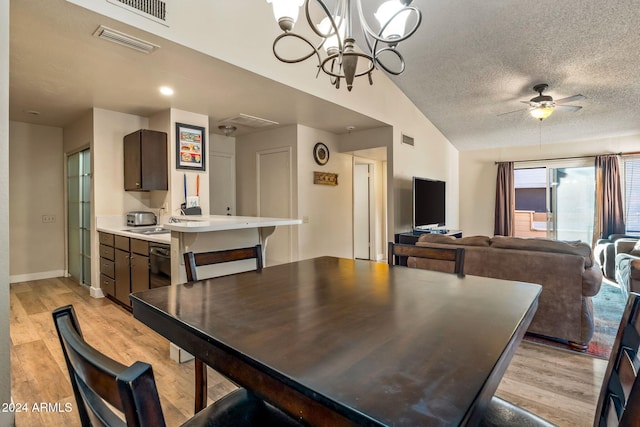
(137, 218)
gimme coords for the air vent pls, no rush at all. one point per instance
(249, 121)
(408, 140)
(154, 8)
(123, 39)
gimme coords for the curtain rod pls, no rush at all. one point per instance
(630, 153)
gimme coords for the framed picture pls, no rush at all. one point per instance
(190, 147)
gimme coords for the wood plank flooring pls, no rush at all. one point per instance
(561, 386)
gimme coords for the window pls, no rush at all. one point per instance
(632, 194)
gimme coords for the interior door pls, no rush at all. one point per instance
(79, 216)
(275, 200)
(222, 186)
(361, 211)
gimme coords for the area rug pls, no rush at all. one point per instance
(608, 306)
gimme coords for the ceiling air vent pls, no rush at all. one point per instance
(155, 9)
(249, 121)
(408, 140)
(123, 39)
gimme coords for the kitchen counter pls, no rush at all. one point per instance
(118, 225)
(207, 223)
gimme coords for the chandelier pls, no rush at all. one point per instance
(336, 51)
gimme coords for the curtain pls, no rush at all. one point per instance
(609, 207)
(505, 200)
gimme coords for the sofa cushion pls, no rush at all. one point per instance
(545, 245)
(463, 241)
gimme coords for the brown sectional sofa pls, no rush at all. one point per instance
(566, 270)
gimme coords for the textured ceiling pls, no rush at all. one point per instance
(468, 62)
(472, 60)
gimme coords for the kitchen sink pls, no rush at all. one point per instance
(148, 230)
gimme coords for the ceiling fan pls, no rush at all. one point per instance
(541, 106)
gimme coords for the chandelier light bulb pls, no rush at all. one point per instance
(286, 12)
(395, 25)
(332, 43)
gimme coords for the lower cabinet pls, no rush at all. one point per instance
(124, 266)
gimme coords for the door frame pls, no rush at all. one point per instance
(372, 206)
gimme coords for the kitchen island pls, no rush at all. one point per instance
(200, 233)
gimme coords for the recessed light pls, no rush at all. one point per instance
(166, 90)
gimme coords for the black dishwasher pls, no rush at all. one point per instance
(159, 265)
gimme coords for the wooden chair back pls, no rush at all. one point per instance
(97, 379)
(444, 259)
(619, 401)
(193, 260)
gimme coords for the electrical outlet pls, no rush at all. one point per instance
(48, 218)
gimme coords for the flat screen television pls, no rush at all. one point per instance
(429, 203)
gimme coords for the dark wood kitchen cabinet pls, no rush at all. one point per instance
(145, 161)
(124, 266)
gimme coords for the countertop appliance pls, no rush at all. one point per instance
(138, 218)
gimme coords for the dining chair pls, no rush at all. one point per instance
(619, 400)
(449, 260)
(109, 393)
(191, 262)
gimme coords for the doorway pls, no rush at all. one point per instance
(222, 186)
(363, 214)
(79, 216)
(555, 201)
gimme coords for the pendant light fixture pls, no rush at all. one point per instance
(336, 52)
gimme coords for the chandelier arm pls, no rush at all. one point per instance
(376, 36)
(296, 60)
(384, 67)
(328, 14)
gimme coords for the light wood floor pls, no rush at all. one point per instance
(559, 385)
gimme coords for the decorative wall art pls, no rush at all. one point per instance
(190, 147)
(325, 178)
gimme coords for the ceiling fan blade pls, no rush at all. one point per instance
(568, 108)
(511, 112)
(570, 99)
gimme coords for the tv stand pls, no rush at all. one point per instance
(411, 237)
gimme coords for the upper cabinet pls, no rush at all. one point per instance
(145, 161)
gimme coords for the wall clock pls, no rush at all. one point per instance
(321, 154)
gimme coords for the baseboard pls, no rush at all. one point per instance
(96, 292)
(17, 278)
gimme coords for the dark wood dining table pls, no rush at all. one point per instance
(336, 341)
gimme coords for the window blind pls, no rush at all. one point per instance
(632, 195)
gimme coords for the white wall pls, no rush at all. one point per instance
(478, 174)
(36, 188)
(329, 209)
(6, 418)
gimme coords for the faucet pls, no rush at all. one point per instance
(173, 219)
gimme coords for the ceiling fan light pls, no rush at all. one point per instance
(395, 26)
(286, 12)
(541, 112)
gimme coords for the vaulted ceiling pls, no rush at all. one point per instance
(469, 62)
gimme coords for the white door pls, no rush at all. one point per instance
(361, 211)
(222, 184)
(275, 200)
